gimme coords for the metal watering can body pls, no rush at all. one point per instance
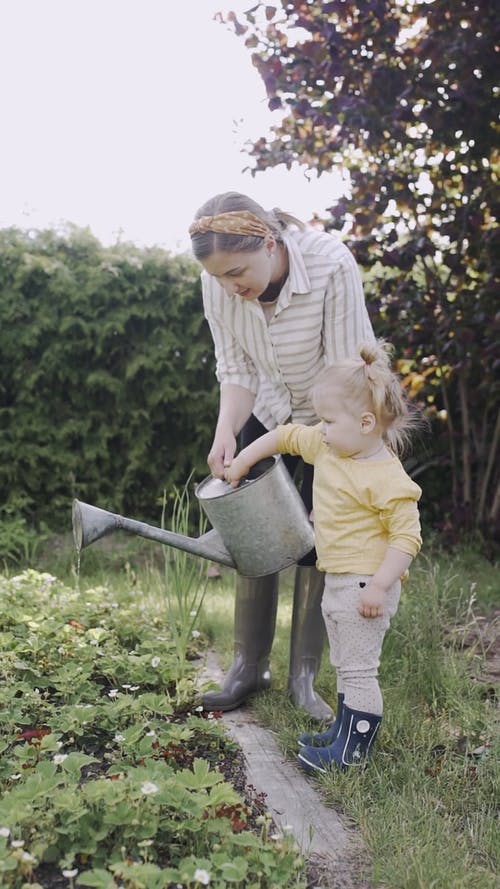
(259, 528)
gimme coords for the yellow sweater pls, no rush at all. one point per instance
(360, 506)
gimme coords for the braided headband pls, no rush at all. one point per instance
(234, 222)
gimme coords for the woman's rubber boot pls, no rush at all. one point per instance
(323, 739)
(307, 639)
(351, 747)
(254, 624)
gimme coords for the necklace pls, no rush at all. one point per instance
(274, 289)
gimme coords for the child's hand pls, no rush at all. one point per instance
(372, 601)
(236, 471)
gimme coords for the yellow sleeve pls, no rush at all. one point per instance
(401, 519)
(300, 441)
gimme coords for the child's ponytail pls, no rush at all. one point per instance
(371, 380)
(393, 411)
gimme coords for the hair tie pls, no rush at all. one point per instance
(367, 369)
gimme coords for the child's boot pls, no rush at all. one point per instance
(323, 739)
(351, 747)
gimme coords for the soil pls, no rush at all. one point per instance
(230, 762)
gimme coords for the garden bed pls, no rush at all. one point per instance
(111, 774)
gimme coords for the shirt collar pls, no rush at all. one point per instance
(298, 279)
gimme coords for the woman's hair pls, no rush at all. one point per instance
(207, 242)
(370, 382)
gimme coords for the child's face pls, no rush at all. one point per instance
(342, 423)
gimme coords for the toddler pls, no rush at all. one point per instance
(367, 532)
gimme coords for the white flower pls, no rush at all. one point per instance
(199, 708)
(4, 832)
(202, 876)
(135, 687)
(151, 734)
(59, 758)
(155, 661)
(15, 777)
(119, 738)
(149, 787)
(69, 874)
(48, 578)
(16, 844)
(27, 857)
(113, 693)
(195, 634)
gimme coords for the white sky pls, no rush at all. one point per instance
(126, 115)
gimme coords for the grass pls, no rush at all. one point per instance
(427, 807)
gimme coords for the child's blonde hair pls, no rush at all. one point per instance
(370, 381)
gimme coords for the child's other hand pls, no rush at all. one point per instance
(372, 601)
(235, 471)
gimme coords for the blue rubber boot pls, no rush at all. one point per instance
(323, 739)
(351, 747)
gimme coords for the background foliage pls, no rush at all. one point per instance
(107, 389)
(404, 97)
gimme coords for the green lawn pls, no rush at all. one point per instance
(427, 806)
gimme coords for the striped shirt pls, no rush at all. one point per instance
(320, 317)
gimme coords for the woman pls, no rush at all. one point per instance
(283, 301)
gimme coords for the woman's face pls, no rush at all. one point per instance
(245, 274)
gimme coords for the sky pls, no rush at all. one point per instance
(126, 115)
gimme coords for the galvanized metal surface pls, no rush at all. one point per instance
(263, 522)
(259, 528)
(91, 523)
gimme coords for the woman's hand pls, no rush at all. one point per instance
(236, 404)
(221, 452)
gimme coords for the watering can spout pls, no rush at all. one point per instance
(259, 528)
(91, 523)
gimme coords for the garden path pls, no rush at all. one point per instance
(332, 847)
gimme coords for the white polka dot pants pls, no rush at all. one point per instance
(356, 641)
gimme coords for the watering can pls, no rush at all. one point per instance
(259, 528)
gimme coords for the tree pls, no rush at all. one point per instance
(402, 97)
